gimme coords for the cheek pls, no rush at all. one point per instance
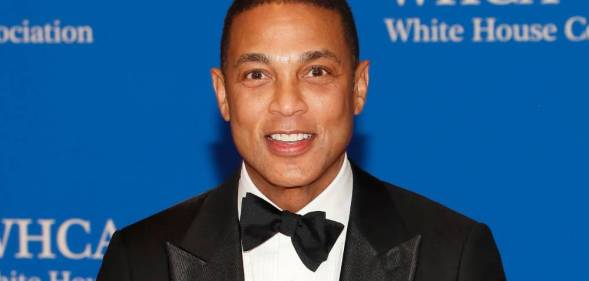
(246, 107)
(331, 105)
(332, 112)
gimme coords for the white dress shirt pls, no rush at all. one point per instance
(276, 259)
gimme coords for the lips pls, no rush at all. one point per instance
(289, 144)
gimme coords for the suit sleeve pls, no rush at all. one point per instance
(115, 264)
(480, 260)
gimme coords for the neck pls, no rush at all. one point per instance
(295, 198)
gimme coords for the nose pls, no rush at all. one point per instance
(288, 99)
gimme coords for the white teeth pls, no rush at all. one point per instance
(290, 137)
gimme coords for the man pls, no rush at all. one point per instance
(289, 85)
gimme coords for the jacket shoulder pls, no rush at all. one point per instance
(138, 251)
(424, 214)
(419, 213)
(448, 238)
(166, 225)
(453, 246)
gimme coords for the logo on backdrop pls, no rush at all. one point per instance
(48, 239)
(483, 29)
(52, 33)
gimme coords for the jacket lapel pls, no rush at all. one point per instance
(210, 249)
(378, 245)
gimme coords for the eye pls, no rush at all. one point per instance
(255, 78)
(255, 75)
(317, 71)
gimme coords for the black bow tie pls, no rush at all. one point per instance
(312, 235)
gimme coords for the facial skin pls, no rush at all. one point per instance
(290, 71)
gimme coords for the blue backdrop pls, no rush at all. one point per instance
(107, 115)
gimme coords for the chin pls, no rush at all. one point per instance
(290, 176)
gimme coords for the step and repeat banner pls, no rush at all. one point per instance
(107, 115)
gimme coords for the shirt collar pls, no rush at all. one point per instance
(334, 200)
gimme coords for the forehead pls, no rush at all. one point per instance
(286, 29)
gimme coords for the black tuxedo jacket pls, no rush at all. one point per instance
(393, 234)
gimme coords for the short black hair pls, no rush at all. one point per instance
(339, 6)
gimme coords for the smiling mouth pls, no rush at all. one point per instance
(289, 137)
(289, 144)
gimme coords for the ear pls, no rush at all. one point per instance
(219, 86)
(361, 78)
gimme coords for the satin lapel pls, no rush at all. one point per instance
(211, 248)
(378, 245)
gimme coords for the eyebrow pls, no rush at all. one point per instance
(315, 55)
(303, 58)
(252, 57)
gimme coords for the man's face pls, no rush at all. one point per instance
(290, 90)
